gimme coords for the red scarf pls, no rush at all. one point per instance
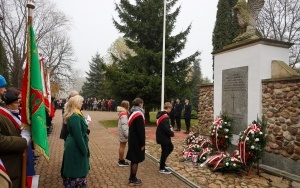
(159, 120)
(11, 117)
(134, 115)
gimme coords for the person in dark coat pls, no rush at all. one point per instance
(187, 115)
(171, 114)
(12, 142)
(76, 154)
(164, 132)
(177, 114)
(136, 139)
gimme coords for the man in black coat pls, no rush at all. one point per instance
(187, 115)
(177, 114)
(164, 132)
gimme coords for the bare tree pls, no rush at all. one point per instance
(118, 50)
(280, 20)
(48, 23)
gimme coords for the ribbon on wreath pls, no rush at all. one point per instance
(204, 151)
(218, 122)
(218, 158)
(205, 141)
(253, 128)
(187, 154)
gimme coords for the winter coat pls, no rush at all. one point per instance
(137, 136)
(123, 124)
(12, 146)
(163, 130)
(76, 153)
(187, 111)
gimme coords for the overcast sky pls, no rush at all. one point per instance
(93, 30)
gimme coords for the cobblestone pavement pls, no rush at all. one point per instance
(104, 156)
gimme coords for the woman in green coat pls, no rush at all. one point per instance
(76, 154)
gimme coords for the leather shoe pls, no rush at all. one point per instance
(186, 132)
(177, 130)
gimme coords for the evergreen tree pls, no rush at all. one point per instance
(94, 84)
(196, 80)
(226, 25)
(139, 75)
(3, 62)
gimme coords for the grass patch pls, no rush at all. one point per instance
(109, 123)
(114, 123)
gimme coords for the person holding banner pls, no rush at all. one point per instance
(164, 132)
(136, 139)
(76, 154)
(13, 141)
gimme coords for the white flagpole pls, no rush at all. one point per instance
(163, 60)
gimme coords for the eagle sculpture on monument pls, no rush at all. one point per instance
(247, 14)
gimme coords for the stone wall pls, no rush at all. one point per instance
(281, 106)
(205, 108)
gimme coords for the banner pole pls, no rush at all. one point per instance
(24, 167)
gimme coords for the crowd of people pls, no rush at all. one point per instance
(93, 104)
(131, 128)
(14, 139)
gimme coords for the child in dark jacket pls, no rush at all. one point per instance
(164, 132)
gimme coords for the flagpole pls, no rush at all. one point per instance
(30, 6)
(163, 60)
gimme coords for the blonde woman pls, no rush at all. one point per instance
(123, 110)
(76, 154)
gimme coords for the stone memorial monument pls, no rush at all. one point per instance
(240, 68)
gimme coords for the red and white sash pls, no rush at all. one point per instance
(2, 168)
(121, 114)
(134, 115)
(159, 120)
(11, 117)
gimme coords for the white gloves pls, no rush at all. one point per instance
(26, 134)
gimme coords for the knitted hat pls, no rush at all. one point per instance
(9, 97)
(2, 81)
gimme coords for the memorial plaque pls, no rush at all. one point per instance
(235, 96)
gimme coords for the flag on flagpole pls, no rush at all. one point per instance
(46, 86)
(33, 111)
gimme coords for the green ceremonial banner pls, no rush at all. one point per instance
(32, 89)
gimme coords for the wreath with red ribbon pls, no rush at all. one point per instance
(252, 142)
(221, 133)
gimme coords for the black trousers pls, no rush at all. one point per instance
(187, 124)
(172, 121)
(166, 149)
(178, 122)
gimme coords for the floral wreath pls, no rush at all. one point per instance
(252, 142)
(221, 133)
(213, 152)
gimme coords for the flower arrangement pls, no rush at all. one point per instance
(195, 146)
(221, 133)
(193, 138)
(222, 161)
(252, 142)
